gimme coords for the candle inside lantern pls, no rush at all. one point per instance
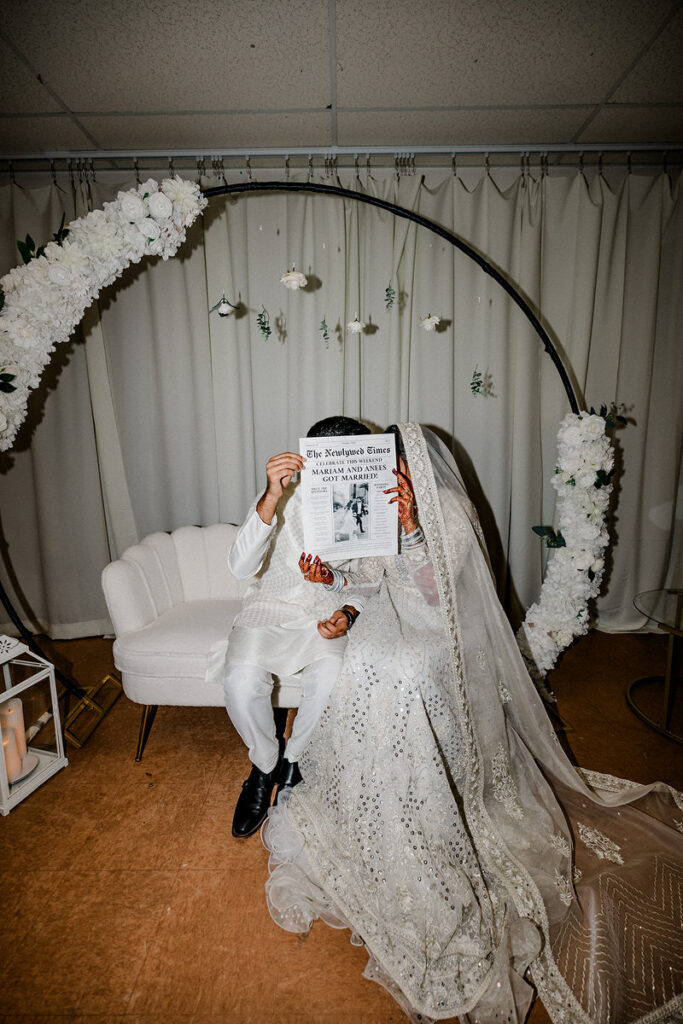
(12, 718)
(12, 756)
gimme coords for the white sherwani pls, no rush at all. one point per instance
(276, 631)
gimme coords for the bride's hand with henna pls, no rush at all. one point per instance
(314, 570)
(405, 496)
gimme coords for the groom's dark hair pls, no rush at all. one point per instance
(337, 426)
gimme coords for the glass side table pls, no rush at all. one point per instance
(665, 607)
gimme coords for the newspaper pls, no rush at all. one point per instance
(345, 511)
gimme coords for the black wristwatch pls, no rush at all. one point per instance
(350, 617)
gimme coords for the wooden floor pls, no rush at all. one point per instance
(124, 898)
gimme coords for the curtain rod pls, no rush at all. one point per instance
(335, 151)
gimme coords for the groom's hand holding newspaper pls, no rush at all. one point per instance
(279, 471)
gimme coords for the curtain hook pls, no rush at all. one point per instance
(397, 169)
(137, 170)
(412, 163)
(92, 170)
(310, 166)
(287, 167)
(170, 165)
(628, 161)
(222, 166)
(11, 173)
(368, 169)
(600, 164)
(53, 172)
(355, 166)
(454, 165)
(487, 166)
(70, 166)
(581, 172)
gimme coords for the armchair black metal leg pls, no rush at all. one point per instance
(148, 714)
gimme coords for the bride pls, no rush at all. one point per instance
(441, 822)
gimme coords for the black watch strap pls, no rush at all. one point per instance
(350, 617)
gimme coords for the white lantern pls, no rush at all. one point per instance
(32, 744)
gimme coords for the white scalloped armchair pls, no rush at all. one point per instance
(171, 598)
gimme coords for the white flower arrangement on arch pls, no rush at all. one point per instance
(585, 460)
(46, 299)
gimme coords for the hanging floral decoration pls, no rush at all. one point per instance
(482, 384)
(223, 307)
(294, 280)
(355, 326)
(389, 297)
(46, 299)
(263, 323)
(429, 322)
(585, 460)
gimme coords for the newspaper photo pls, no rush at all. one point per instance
(345, 510)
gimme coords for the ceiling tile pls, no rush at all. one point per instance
(636, 124)
(657, 77)
(209, 131)
(145, 55)
(460, 127)
(20, 91)
(463, 52)
(40, 134)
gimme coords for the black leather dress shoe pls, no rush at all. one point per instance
(253, 803)
(288, 777)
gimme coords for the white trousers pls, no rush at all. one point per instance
(248, 699)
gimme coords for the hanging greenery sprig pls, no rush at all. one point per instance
(389, 296)
(27, 248)
(611, 414)
(6, 379)
(263, 322)
(325, 332)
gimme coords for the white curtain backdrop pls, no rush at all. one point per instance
(158, 414)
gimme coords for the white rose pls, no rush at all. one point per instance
(147, 187)
(149, 228)
(131, 206)
(21, 333)
(597, 565)
(355, 326)
(593, 426)
(58, 274)
(3, 421)
(294, 280)
(429, 323)
(160, 206)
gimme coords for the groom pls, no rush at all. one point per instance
(286, 627)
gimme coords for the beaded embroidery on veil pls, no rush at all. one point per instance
(442, 823)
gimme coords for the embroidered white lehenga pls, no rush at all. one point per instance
(441, 822)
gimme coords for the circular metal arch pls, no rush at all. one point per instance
(400, 211)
